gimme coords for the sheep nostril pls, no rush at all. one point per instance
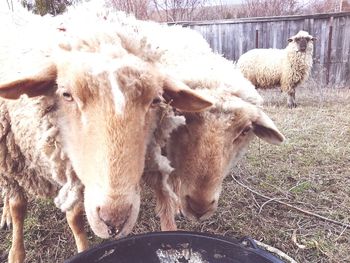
(112, 231)
(114, 219)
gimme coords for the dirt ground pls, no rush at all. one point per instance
(310, 171)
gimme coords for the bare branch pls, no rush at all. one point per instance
(291, 206)
(255, 8)
(140, 8)
(178, 10)
(275, 251)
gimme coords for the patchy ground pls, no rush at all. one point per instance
(311, 171)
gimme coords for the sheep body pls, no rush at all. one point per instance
(34, 156)
(287, 68)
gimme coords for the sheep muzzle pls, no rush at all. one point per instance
(303, 44)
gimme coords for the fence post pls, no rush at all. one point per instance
(256, 38)
(329, 51)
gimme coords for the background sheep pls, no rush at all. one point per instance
(287, 68)
(87, 118)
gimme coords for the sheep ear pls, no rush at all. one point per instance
(183, 98)
(265, 129)
(290, 40)
(35, 84)
(313, 38)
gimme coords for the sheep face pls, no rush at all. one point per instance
(105, 117)
(204, 151)
(105, 112)
(302, 42)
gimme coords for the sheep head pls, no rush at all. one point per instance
(302, 42)
(106, 110)
(205, 149)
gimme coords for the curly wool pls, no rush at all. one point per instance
(180, 52)
(155, 161)
(32, 160)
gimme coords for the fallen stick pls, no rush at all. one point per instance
(275, 251)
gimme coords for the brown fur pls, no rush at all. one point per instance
(208, 157)
(202, 153)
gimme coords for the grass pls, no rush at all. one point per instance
(310, 170)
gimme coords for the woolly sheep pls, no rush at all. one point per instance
(83, 128)
(185, 55)
(202, 150)
(202, 153)
(287, 68)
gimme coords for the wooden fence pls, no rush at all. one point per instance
(331, 50)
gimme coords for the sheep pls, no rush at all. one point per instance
(202, 152)
(201, 147)
(78, 110)
(287, 68)
(204, 149)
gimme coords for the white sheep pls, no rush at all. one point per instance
(90, 111)
(287, 68)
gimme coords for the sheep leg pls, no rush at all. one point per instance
(166, 212)
(6, 220)
(166, 206)
(18, 207)
(75, 219)
(291, 99)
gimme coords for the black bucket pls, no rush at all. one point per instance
(176, 247)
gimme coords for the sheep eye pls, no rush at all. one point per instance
(67, 96)
(246, 130)
(156, 101)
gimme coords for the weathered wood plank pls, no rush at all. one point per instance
(232, 38)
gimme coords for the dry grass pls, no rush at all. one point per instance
(310, 171)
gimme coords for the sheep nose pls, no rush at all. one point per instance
(114, 219)
(302, 45)
(199, 208)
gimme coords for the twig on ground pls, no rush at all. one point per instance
(342, 232)
(268, 201)
(275, 251)
(255, 201)
(291, 206)
(294, 239)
